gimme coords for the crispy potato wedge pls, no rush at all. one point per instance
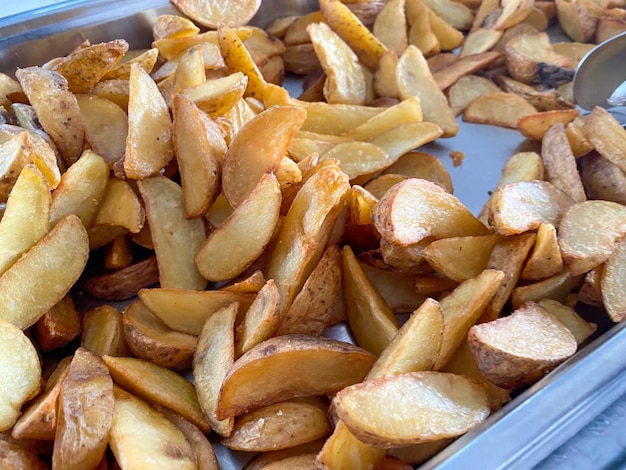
(215, 13)
(159, 443)
(124, 283)
(149, 338)
(238, 59)
(57, 109)
(260, 208)
(601, 179)
(467, 65)
(390, 26)
(613, 275)
(557, 287)
(261, 319)
(45, 273)
(580, 328)
(149, 144)
(607, 136)
(480, 41)
(498, 109)
(520, 349)
(525, 205)
(545, 259)
(308, 365)
(421, 34)
(157, 385)
(176, 239)
(415, 209)
(342, 450)
(589, 232)
(187, 310)
(468, 88)
(20, 366)
(85, 413)
(535, 126)
(147, 59)
(286, 424)
(58, 326)
(103, 332)
(447, 405)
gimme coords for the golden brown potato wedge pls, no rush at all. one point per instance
(613, 275)
(390, 26)
(85, 413)
(545, 259)
(261, 319)
(580, 328)
(238, 59)
(607, 136)
(308, 365)
(601, 178)
(468, 88)
(498, 109)
(124, 283)
(103, 332)
(453, 405)
(535, 126)
(58, 326)
(214, 13)
(520, 349)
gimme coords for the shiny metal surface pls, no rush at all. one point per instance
(600, 72)
(532, 428)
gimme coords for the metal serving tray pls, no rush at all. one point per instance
(570, 419)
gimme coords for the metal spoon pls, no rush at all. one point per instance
(600, 75)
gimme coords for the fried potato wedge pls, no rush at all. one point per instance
(589, 232)
(557, 287)
(261, 208)
(607, 136)
(580, 328)
(57, 109)
(613, 275)
(390, 26)
(103, 332)
(85, 413)
(467, 65)
(176, 239)
(58, 326)
(45, 273)
(187, 310)
(290, 366)
(157, 385)
(498, 109)
(545, 259)
(26, 216)
(525, 205)
(238, 59)
(520, 349)
(261, 319)
(343, 450)
(468, 88)
(415, 209)
(602, 179)
(20, 366)
(248, 159)
(454, 13)
(286, 424)
(215, 13)
(213, 359)
(446, 405)
(142, 437)
(535, 126)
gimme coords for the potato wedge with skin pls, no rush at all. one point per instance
(467, 65)
(219, 95)
(285, 425)
(187, 310)
(39, 420)
(149, 143)
(57, 109)
(559, 162)
(157, 385)
(106, 126)
(200, 444)
(305, 231)
(446, 405)
(520, 349)
(348, 26)
(120, 206)
(176, 239)
(416, 346)
(613, 275)
(460, 258)
(103, 332)
(58, 326)
(525, 205)
(212, 360)
(415, 209)
(26, 216)
(345, 82)
(498, 109)
(480, 41)
(81, 189)
(422, 165)
(341, 446)
(21, 454)
(248, 159)
(261, 209)
(607, 136)
(545, 259)
(449, 38)
(85, 413)
(580, 328)
(371, 320)
(261, 319)
(414, 78)
(602, 179)
(358, 158)
(557, 287)
(535, 126)
(589, 232)
(149, 338)
(312, 308)
(397, 289)
(214, 13)
(420, 34)
(198, 161)
(146, 58)
(19, 364)
(45, 273)
(124, 283)
(390, 26)
(238, 59)
(403, 138)
(468, 88)
(454, 13)
(290, 366)
(141, 437)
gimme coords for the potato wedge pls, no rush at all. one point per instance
(260, 208)
(215, 13)
(58, 326)
(20, 366)
(468, 88)
(213, 359)
(290, 366)
(580, 328)
(248, 159)
(176, 239)
(286, 424)
(45, 274)
(446, 405)
(390, 26)
(103, 332)
(157, 385)
(142, 437)
(124, 283)
(535, 126)
(613, 274)
(85, 413)
(498, 109)
(520, 349)
(602, 179)
(261, 319)
(607, 136)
